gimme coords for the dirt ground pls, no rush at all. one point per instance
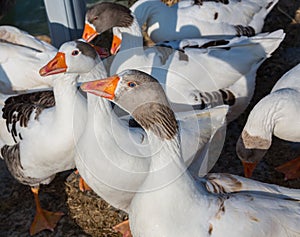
(88, 215)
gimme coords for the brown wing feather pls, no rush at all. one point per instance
(11, 155)
(18, 109)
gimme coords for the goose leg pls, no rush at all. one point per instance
(43, 220)
(123, 228)
(83, 186)
(290, 169)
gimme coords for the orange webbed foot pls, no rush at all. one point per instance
(83, 186)
(43, 220)
(123, 228)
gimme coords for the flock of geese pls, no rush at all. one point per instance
(147, 124)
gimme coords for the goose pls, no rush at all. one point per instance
(107, 135)
(99, 147)
(194, 69)
(102, 169)
(28, 54)
(170, 202)
(41, 125)
(269, 117)
(95, 113)
(96, 70)
(188, 19)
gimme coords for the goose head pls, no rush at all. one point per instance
(72, 57)
(140, 95)
(250, 150)
(104, 16)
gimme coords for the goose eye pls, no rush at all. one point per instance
(75, 52)
(131, 84)
(95, 18)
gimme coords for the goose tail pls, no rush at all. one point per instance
(258, 20)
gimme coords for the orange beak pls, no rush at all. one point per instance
(115, 45)
(249, 168)
(89, 32)
(55, 66)
(103, 87)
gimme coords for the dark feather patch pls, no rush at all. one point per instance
(11, 155)
(86, 49)
(18, 109)
(228, 97)
(166, 52)
(244, 30)
(213, 99)
(200, 2)
(107, 15)
(210, 44)
(158, 118)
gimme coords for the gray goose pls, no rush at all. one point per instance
(170, 202)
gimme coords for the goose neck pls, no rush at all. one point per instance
(131, 36)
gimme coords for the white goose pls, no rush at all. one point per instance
(269, 117)
(187, 19)
(41, 124)
(182, 73)
(106, 137)
(95, 70)
(22, 56)
(169, 202)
